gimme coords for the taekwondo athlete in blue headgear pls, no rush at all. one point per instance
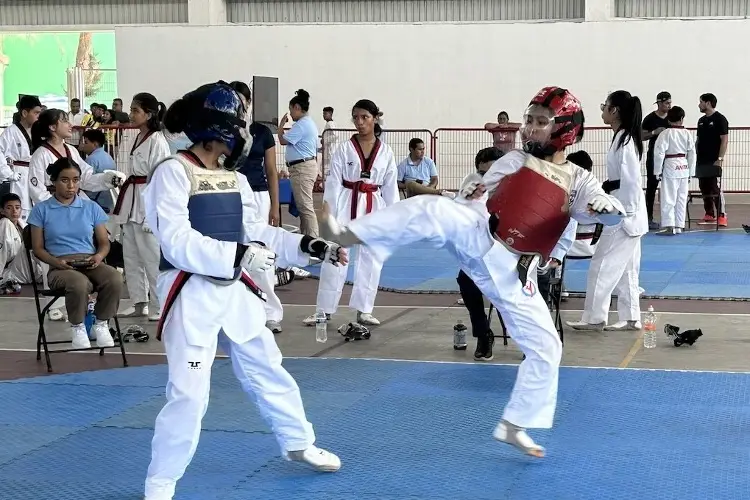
(212, 237)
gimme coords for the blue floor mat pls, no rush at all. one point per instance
(706, 264)
(404, 430)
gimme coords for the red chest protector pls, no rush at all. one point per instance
(533, 207)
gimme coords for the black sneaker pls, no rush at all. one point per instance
(484, 348)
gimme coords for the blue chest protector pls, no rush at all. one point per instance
(214, 205)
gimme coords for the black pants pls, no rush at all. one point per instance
(474, 300)
(652, 184)
(709, 187)
(474, 303)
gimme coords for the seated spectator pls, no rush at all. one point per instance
(417, 174)
(93, 146)
(69, 234)
(14, 266)
(472, 297)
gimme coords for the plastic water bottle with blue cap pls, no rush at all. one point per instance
(321, 326)
(90, 318)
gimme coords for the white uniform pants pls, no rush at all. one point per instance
(257, 366)
(266, 280)
(443, 223)
(614, 268)
(140, 253)
(13, 262)
(673, 200)
(366, 280)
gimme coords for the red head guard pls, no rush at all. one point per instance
(567, 126)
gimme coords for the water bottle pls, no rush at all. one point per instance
(321, 326)
(90, 318)
(459, 337)
(649, 329)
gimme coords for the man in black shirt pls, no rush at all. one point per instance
(654, 123)
(711, 145)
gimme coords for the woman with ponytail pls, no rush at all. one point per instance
(617, 261)
(139, 246)
(48, 136)
(362, 179)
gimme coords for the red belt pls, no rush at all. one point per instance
(676, 155)
(361, 187)
(179, 284)
(17, 163)
(584, 236)
(133, 180)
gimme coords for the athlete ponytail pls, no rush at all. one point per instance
(149, 104)
(41, 129)
(176, 117)
(630, 116)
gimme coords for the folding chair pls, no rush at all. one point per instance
(41, 312)
(704, 171)
(554, 299)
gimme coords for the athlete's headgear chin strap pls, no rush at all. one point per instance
(567, 121)
(219, 115)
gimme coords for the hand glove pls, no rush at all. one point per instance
(468, 190)
(324, 250)
(146, 228)
(257, 258)
(114, 177)
(601, 204)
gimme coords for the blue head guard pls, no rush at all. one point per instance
(217, 113)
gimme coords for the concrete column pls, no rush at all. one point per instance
(600, 10)
(207, 12)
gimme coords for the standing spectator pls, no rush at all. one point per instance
(117, 113)
(328, 140)
(503, 132)
(76, 117)
(711, 146)
(260, 170)
(654, 124)
(301, 159)
(93, 146)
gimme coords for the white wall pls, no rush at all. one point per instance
(450, 75)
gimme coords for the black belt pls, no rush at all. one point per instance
(260, 188)
(297, 162)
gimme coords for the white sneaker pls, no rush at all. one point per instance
(137, 310)
(317, 458)
(585, 327)
(101, 333)
(624, 326)
(310, 320)
(79, 337)
(367, 319)
(155, 317)
(56, 315)
(300, 273)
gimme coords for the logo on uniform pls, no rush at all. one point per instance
(529, 289)
(34, 182)
(194, 365)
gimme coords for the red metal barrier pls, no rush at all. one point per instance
(397, 139)
(453, 150)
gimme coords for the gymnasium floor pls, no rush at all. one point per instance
(410, 417)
